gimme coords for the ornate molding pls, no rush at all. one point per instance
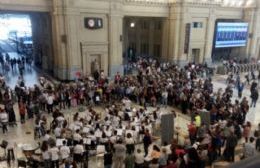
(156, 3)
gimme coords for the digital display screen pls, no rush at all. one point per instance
(230, 34)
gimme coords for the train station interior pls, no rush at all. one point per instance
(129, 83)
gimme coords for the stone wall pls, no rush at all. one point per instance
(75, 46)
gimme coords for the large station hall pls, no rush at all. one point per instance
(129, 83)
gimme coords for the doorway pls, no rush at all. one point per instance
(196, 55)
(95, 63)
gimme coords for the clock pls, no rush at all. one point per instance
(91, 23)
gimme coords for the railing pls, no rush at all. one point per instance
(241, 68)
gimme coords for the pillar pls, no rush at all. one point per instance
(67, 59)
(151, 32)
(165, 39)
(209, 37)
(174, 29)
(115, 42)
(252, 16)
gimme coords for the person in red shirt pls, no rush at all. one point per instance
(171, 164)
(22, 111)
(192, 132)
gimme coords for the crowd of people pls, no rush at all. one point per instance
(13, 64)
(116, 132)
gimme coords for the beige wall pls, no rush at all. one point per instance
(88, 35)
(74, 46)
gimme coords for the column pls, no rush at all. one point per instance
(209, 38)
(252, 16)
(73, 45)
(67, 58)
(184, 18)
(151, 32)
(115, 45)
(165, 39)
(138, 33)
(174, 29)
(59, 41)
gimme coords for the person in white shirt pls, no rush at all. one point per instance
(139, 158)
(46, 136)
(60, 119)
(78, 151)
(50, 99)
(64, 151)
(127, 103)
(45, 154)
(130, 143)
(76, 136)
(249, 148)
(114, 137)
(57, 132)
(165, 98)
(3, 120)
(54, 152)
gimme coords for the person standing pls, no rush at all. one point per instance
(54, 151)
(78, 151)
(254, 97)
(50, 100)
(119, 155)
(249, 148)
(108, 159)
(3, 120)
(231, 143)
(147, 140)
(64, 151)
(165, 98)
(130, 143)
(11, 114)
(22, 111)
(240, 88)
(192, 132)
(197, 120)
(45, 154)
(139, 159)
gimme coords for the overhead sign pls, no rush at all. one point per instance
(229, 34)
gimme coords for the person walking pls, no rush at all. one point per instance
(240, 88)
(254, 97)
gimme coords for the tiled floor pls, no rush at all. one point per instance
(23, 133)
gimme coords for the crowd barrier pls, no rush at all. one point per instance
(241, 68)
